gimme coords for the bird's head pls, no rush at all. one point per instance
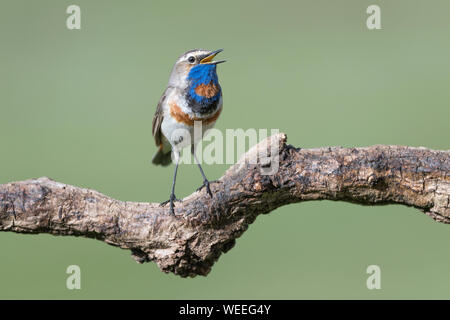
(195, 66)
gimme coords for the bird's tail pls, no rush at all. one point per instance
(161, 158)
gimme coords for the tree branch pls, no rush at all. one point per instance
(189, 243)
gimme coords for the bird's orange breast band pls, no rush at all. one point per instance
(180, 116)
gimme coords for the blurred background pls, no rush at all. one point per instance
(77, 106)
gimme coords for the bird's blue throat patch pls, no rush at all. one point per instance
(203, 74)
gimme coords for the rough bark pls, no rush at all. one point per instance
(190, 242)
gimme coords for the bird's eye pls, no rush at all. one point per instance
(191, 59)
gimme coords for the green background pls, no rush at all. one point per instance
(77, 106)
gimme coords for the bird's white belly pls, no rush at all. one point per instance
(179, 134)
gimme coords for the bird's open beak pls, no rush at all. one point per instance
(210, 56)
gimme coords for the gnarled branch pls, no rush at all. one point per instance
(190, 242)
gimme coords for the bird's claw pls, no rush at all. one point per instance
(171, 200)
(206, 184)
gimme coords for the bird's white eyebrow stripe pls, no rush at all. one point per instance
(193, 51)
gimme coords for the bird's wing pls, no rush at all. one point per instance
(158, 118)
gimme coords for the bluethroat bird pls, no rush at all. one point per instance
(193, 94)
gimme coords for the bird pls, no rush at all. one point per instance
(193, 96)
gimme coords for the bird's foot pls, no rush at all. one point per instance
(171, 200)
(206, 184)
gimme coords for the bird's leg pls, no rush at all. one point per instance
(172, 197)
(205, 180)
